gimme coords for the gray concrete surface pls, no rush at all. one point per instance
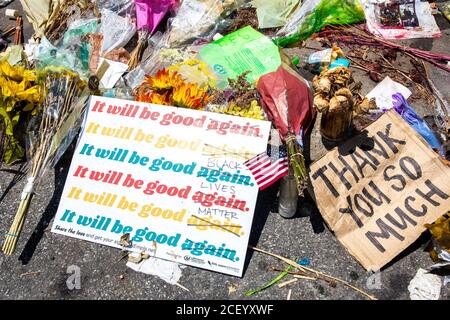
(38, 268)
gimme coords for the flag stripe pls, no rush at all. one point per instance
(262, 168)
(261, 161)
(267, 168)
(268, 183)
(267, 176)
(268, 171)
(255, 159)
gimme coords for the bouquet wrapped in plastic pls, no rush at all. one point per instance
(49, 136)
(288, 101)
(19, 98)
(149, 14)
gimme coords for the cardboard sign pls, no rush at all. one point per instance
(378, 190)
(172, 178)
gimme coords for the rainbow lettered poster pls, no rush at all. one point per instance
(171, 178)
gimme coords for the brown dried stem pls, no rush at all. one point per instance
(313, 273)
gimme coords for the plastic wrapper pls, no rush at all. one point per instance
(149, 13)
(163, 57)
(274, 13)
(409, 115)
(440, 231)
(199, 19)
(50, 134)
(73, 52)
(117, 30)
(445, 9)
(19, 96)
(194, 70)
(120, 7)
(287, 99)
(243, 50)
(400, 19)
(313, 15)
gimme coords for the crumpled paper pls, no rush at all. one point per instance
(384, 90)
(425, 286)
(166, 270)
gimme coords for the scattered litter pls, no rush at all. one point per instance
(304, 277)
(384, 91)
(113, 73)
(425, 286)
(232, 288)
(289, 294)
(283, 284)
(398, 20)
(314, 273)
(156, 89)
(168, 271)
(34, 273)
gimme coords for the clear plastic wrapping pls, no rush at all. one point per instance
(117, 30)
(199, 19)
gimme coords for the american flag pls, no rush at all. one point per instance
(267, 167)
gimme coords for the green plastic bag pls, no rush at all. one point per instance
(313, 15)
(243, 50)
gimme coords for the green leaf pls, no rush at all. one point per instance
(271, 282)
(13, 151)
(7, 121)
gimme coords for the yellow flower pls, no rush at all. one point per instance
(197, 70)
(190, 95)
(162, 81)
(30, 94)
(17, 74)
(253, 111)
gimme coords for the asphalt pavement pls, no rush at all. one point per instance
(41, 265)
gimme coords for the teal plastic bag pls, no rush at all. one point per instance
(73, 52)
(313, 15)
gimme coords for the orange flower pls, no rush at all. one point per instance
(190, 95)
(163, 80)
(153, 97)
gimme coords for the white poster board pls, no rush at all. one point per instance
(172, 178)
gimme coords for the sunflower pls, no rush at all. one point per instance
(162, 81)
(190, 95)
(154, 97)
(19, 95)
(16, 74)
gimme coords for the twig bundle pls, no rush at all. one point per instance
(61, 89)
(306, 271)
(136, 54)
(297, 163)
(63, 13)
(359, 35)
(19, 31)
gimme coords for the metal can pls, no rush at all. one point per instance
(287, 203)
